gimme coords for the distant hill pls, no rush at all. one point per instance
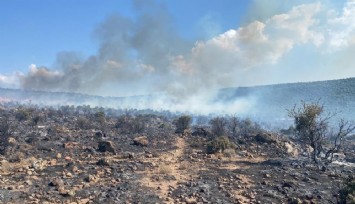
(271, 101)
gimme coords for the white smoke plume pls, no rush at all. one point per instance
(306, 42)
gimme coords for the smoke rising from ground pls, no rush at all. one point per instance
(306, 42)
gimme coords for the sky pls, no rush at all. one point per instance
(34, 31)
(181, 48)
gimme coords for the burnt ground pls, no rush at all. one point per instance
(55, 161)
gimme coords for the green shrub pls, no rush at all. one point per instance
(182, 123)
(219, 145)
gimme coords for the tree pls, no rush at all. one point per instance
(313, 129)
(344, 129)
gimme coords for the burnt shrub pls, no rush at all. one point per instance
(347, 193)
(83, 123)
(22, 114)
(132, 124)
(219, 145)
(100, 117)
(4, 134)
(218, 126)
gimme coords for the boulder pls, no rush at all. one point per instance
(141, 141)
(106, 146)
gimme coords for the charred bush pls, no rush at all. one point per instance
(100, 117)
(233, 125)
(36, 119)
(83, 123)
(218, 126)
(347, 193)
(248, 127)
(131, 124)
(22, 114)
(4, 134)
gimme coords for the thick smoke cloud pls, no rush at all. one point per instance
(133, 57)
(147, 55)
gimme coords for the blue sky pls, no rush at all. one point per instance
(34, 31)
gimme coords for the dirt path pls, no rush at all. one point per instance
(170, 164)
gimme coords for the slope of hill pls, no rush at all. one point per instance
(273, 100)
(270, 101)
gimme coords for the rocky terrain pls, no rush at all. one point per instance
(93, 155)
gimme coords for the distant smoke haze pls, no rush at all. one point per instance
(285, 43)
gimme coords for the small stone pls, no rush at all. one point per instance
(57, 182)
(58, 156)
(28, 182)
(89, 178)
(53, 162)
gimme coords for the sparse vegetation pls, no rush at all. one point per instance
(72, 145)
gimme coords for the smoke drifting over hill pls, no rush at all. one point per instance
(146, 54)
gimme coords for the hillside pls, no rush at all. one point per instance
(270, 101)
(273, 100)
